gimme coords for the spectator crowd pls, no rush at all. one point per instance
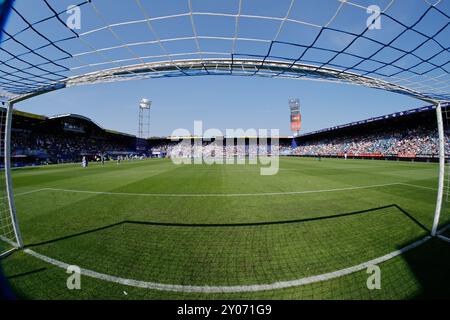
(401, 142)
(66, 147)
(56, 148)
(418, 141)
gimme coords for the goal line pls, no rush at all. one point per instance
(232, 289)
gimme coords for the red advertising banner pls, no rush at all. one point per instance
(296, 122)
(362, 155)
(406, 155)
(370, 155)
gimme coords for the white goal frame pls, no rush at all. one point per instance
(440, 191)
(10, 193)
(8, 177)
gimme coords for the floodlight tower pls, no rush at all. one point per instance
(296, 118)
(144, 118)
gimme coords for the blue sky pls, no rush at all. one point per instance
(220, 101)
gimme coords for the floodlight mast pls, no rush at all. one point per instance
(144, 118)
(294, 107)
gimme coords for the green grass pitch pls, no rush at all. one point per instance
(226, 225)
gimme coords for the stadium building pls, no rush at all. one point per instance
(66, 139)
(407, 135)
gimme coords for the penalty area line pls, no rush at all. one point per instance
(231, 289)
(219, 194)
(417, 186)
(27, 192)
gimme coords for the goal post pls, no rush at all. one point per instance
(9, 229)
(440, 223)
(440, 127)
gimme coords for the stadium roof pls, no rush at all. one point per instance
(398, 46)
(78, 116)
(219, 137)
(375, 119)
(71, 116)
(28, 115)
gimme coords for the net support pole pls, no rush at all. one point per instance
(8, 178)
(440, 192)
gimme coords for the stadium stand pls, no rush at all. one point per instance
(167, 147)
(406, 135)
(65, 138)
(409, 134)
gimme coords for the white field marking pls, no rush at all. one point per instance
(7, 253)
(417, 186)
(219, 194)
(28, 192)
(25, 193)
(231, 289)
(4, 239)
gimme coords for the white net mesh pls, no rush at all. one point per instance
(328, 40)
(373, 44)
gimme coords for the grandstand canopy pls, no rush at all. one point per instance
(27, 121)
(402, 48)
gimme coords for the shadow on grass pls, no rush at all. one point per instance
(250, 224)
(430, 265)
(25, 273)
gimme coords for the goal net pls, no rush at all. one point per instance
(399, 46)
